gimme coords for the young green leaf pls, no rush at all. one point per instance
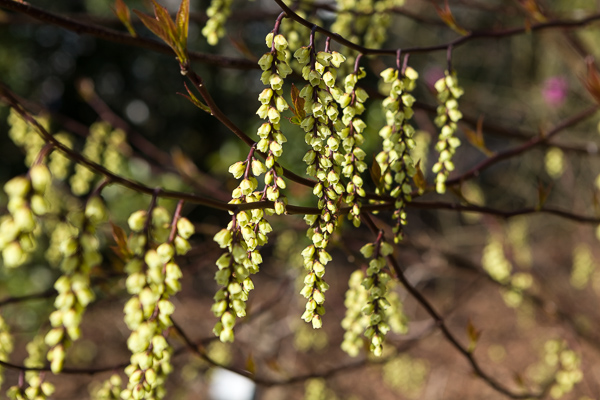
(195, 100)
(476, 138)
(120, 237)
(154, 26)
(375, 171)
(419, 178)
(163, 26)
(446, 16)
(473, 334)
(297, 103)
(122, 12)
(182, 22)
(543, 193)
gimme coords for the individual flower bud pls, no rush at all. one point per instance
(223, 238)
(386, 249)
(317, 322)
(137, 220)
(39, 205)
(24, 220)
(226, 335)
(279, 207)
(160, 217)
(17, 187)
(266, 61)
(269, 39)
(389, 75)
(152, 259)
(185, 228)
(40, 177)
(150, 376)
(54, 336)
(182, 246)
(13, 255)
(166, 252)
(258, 168)
(280, 43)
(265, 96)
(95, 210)
(57, 354)
(135, 282)
(276, 82)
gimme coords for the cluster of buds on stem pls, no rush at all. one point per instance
(107, 390)
(6, 345)
(376, 284)
(153, 276)
(26, 201)
(26, 136)
(352, 107)
(217, 13)
(448, 115)
(396, 165)
(80, 254)
(324, 160)
(275, 68)
(247, 230)
(34, 386)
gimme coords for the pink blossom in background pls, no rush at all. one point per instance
(555, 91)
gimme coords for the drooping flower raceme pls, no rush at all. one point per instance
(153, 277)
(26, 202)
(351, 102)
(80, 254)
(395, 162)
(275, 68)
(376, 284)
(447, 117)
(324, 160)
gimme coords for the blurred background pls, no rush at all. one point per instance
(516, 87)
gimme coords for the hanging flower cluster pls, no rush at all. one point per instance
(24, 135)
(448, 115)
(396, 165)
(80, 254)
(6, 345)
(356, 321)
(217, 13)
(352, 107)
(107, 390)
(376, 284)
(324, 159)
(244, 234)
(26, 201)
(275, 68)
(35, 387)
(153, 276)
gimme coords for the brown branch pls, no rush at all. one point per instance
(119, 37)
(290, 209)
(476, 170)
(21, 299)
(440, 322)
(439, 205)
(441, 47)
